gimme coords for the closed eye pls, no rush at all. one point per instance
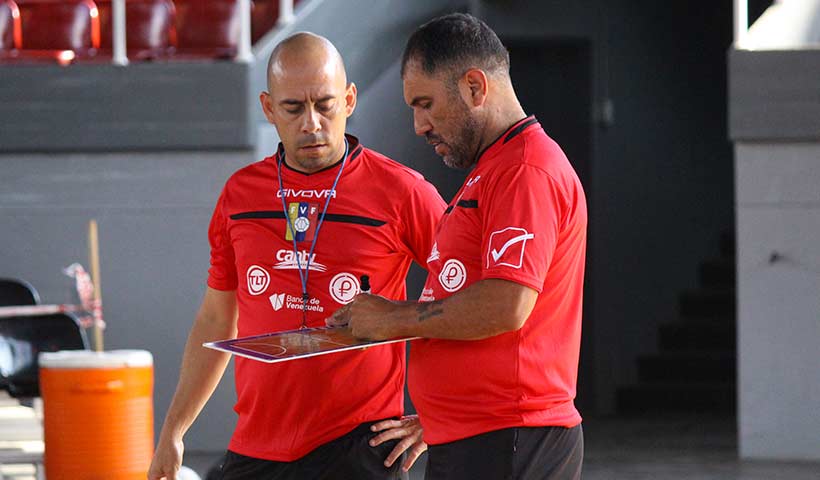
(324, 106)
(422, 102)
(292, 106)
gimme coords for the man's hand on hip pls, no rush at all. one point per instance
(409, 431)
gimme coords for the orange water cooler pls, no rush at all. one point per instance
(98, 414)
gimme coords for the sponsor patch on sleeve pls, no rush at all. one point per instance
(506, 247)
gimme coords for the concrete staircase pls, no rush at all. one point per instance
(694, 370)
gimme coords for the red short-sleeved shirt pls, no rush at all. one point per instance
(520, 216)
(381, 218)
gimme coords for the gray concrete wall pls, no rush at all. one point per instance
(153, 211)
(159, 106)
(774, 120)
(778, 265)
(766, 103)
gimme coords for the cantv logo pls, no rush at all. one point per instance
(289, 192)
(288, 260)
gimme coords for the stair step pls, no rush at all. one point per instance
(687, 367)
(708, 302)
(688, 398)
(717, 273)
(698, 335)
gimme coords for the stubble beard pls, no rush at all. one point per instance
(462, 148)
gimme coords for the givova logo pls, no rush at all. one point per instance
(434, 255)
(289, 192)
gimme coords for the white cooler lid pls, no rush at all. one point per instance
(91, 359)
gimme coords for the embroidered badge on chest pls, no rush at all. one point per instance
(303, 217)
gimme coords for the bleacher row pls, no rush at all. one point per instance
(70, 31)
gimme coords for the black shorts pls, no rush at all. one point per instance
(521, 453)
(347, 457)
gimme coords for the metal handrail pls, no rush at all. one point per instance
(741, 20)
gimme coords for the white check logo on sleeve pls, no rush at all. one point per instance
(506, 247)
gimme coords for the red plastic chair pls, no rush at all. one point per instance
(207, 28)
(58, 30)
(149, 28)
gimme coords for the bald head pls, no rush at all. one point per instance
(308, 100)
(306, 54)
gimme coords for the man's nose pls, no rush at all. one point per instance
(311, 121)
(421, 124)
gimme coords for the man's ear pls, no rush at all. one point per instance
(267, 108)
(473, 86)
(350, 99)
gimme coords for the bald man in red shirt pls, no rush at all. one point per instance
(290, 237)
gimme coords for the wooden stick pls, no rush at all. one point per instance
(94, 259)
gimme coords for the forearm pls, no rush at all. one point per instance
(485, 309)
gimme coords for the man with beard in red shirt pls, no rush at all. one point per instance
(494, 378)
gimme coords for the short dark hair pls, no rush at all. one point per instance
(457, 40)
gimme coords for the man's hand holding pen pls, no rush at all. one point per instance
(368, 316)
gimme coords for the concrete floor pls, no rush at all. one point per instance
(656, 448)
(671, 448)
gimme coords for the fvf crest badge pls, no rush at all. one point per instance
(303, 218)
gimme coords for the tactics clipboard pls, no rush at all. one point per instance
(295, 344)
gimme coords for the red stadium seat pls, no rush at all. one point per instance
(58, 30)
(207, 28)
(263, 18)
(265, 14)
(148, 30)
(10, 36)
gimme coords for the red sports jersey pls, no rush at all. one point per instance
(520, 216)
(381, 218)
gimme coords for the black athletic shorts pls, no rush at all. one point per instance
(349, 457)
(522, 453)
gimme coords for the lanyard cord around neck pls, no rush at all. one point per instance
(303, 274)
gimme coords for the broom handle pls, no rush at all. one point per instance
(94, 258)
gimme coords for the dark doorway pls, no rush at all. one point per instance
(553, 81)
